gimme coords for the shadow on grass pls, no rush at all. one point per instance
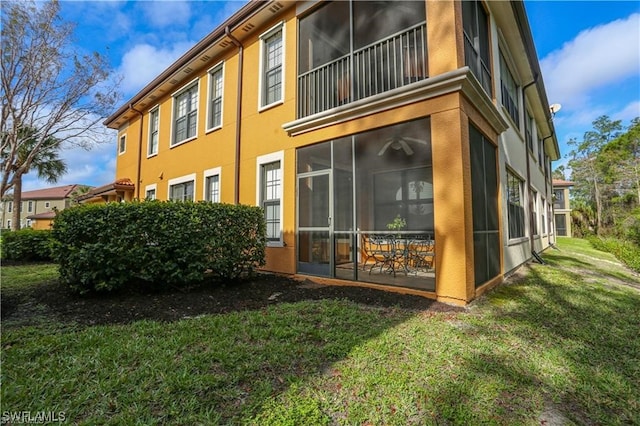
(560, 343)
(161, 358)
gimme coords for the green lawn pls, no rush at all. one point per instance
(561, 344)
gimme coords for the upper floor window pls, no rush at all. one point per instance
(475, 22)
(30, 207)
(509, 91)
(558, 199)
(154, 126)
(528, 135)
(122, 144)
(10, 207)
(272, 56)
(181, 189)
(215, 97)
(47, 204)
(515, 206)
(540, 151)
(185, 114)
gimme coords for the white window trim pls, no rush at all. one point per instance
(152, 187)
(151, 111)
(47, 204)
(260, 161)
(179, 180)
(189, 85)
(208, 173)
(278, 27)
(209, 89)
(124, 135)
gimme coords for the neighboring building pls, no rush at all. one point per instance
(338, 117)
(120, 190)
(38, 206)
(561, 207)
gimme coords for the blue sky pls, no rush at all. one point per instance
(589, 52)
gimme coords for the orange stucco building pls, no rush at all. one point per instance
(339, 118)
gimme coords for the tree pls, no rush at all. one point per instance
(558, 172)
(46, 163)
(52, 94)
(587, 171)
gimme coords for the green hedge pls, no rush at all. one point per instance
(625, 251)
(108, 246)
(27, 245)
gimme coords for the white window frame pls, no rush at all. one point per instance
(260, 162)
(544, 217)
(194, 84)
(29, 206)
(153, 187)
(507, 76)
(28, 223)
(47, 204)
(180, 180)
(152, 132)
(218, 67)
(216, 171)
(534, 211)
(8, 223)
(262, 98)
(10, 207)
(513, 176)
(122, 144)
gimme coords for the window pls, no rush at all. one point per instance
(540, 152)
(185, 113)
(212, 185)
(8, 223)
(484, 202)
(544, 217)
(514, 204)
(154, 125)
(476, 37)
(30, 207)
(509, 91)
(150, 192)
(534, 211)
(528, 125)
(269, 175)
(215, 98)
(10, 207)
(271, 67)
(47, 204)
(122, 146)
(181, 189)
(558, 199)
(28, 223)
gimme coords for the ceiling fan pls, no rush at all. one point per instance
(400, 143)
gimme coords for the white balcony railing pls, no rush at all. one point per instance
(396, 61)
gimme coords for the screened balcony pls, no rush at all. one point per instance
(342, 60)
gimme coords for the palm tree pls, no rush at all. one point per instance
(45, 162)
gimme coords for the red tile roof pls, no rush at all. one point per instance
(562, 183)
(120, 184)
(45, 215)
(57, 193)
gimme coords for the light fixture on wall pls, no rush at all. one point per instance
(400, 143)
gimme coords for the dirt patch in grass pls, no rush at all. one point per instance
(53, 301)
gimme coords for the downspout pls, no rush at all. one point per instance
(236, 190)
(529, 201)
(139, 152)
(550, 220)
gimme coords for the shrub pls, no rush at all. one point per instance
(625, 251)
(27, 245)
(108, 246)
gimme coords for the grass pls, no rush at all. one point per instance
(559, 344)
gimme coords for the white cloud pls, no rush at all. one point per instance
(167, 13)
(629, 112)
(597, 57)
(142, 63)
